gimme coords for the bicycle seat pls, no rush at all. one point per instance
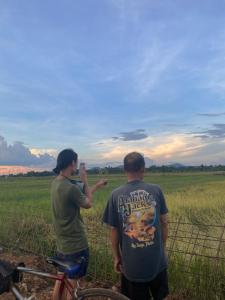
(71, 269)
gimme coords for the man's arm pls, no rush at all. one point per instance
(116, 249)
(164, 227)
(88, 191)
(98, 185)
(163, 218)
(110, 217)
(89, 197)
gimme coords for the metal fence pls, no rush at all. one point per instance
(196, 252)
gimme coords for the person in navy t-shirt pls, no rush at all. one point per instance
(137, 215)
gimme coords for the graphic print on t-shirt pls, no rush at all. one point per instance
(139, 216)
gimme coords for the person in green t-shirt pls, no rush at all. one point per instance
(67, 197)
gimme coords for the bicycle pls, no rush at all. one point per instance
(14, 276)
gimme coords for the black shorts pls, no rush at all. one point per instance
(156, 289)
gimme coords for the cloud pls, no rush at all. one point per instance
(212, 74)
(128, 12)
(159, 148)
(18, 154)
(42, 151)
(182, 148)
(211, 114)
(154, 57)
(154, 63)
(138, 134)
(218, 132)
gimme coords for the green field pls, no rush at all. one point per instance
(195, 201)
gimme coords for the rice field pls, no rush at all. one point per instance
(196, 248)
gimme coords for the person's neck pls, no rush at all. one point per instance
(65, 174)
(134, 176)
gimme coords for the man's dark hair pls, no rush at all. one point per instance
(133, 162)
(64, 159)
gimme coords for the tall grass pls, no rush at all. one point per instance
(194, 200)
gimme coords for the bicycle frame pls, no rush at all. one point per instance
(65, 283)
(76, 293)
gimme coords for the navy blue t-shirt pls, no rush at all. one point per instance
(134, 209)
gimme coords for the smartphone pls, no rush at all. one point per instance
(82, 167)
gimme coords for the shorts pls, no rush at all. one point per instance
(156, 289)
(74, 257)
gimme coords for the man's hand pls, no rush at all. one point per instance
(101, 183)
(83, 174)
(116, 250)
(117, 265)
(98, 185)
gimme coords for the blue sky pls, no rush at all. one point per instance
(107, 77)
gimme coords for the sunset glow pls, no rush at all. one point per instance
(6, 170)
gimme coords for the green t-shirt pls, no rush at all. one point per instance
(69, 227)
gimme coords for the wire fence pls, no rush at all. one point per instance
(196, 252)
(197, 255)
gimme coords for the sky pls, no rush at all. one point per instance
(107, 77)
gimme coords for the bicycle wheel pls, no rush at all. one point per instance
(100, 294)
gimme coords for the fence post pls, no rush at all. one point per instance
(220, 241)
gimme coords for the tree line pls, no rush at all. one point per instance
(119, 170)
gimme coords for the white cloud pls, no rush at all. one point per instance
(211, 75)
(129, 11)
(154, 63)
(41, 151)
(18, 154)
(165, 148)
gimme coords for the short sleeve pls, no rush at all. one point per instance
(110, 213)
(76, 195)
(162, 201)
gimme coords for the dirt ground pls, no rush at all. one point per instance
(31, 284)
(41, 288)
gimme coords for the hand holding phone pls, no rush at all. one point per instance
(83, 172)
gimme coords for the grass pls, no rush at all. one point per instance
(195, 199)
